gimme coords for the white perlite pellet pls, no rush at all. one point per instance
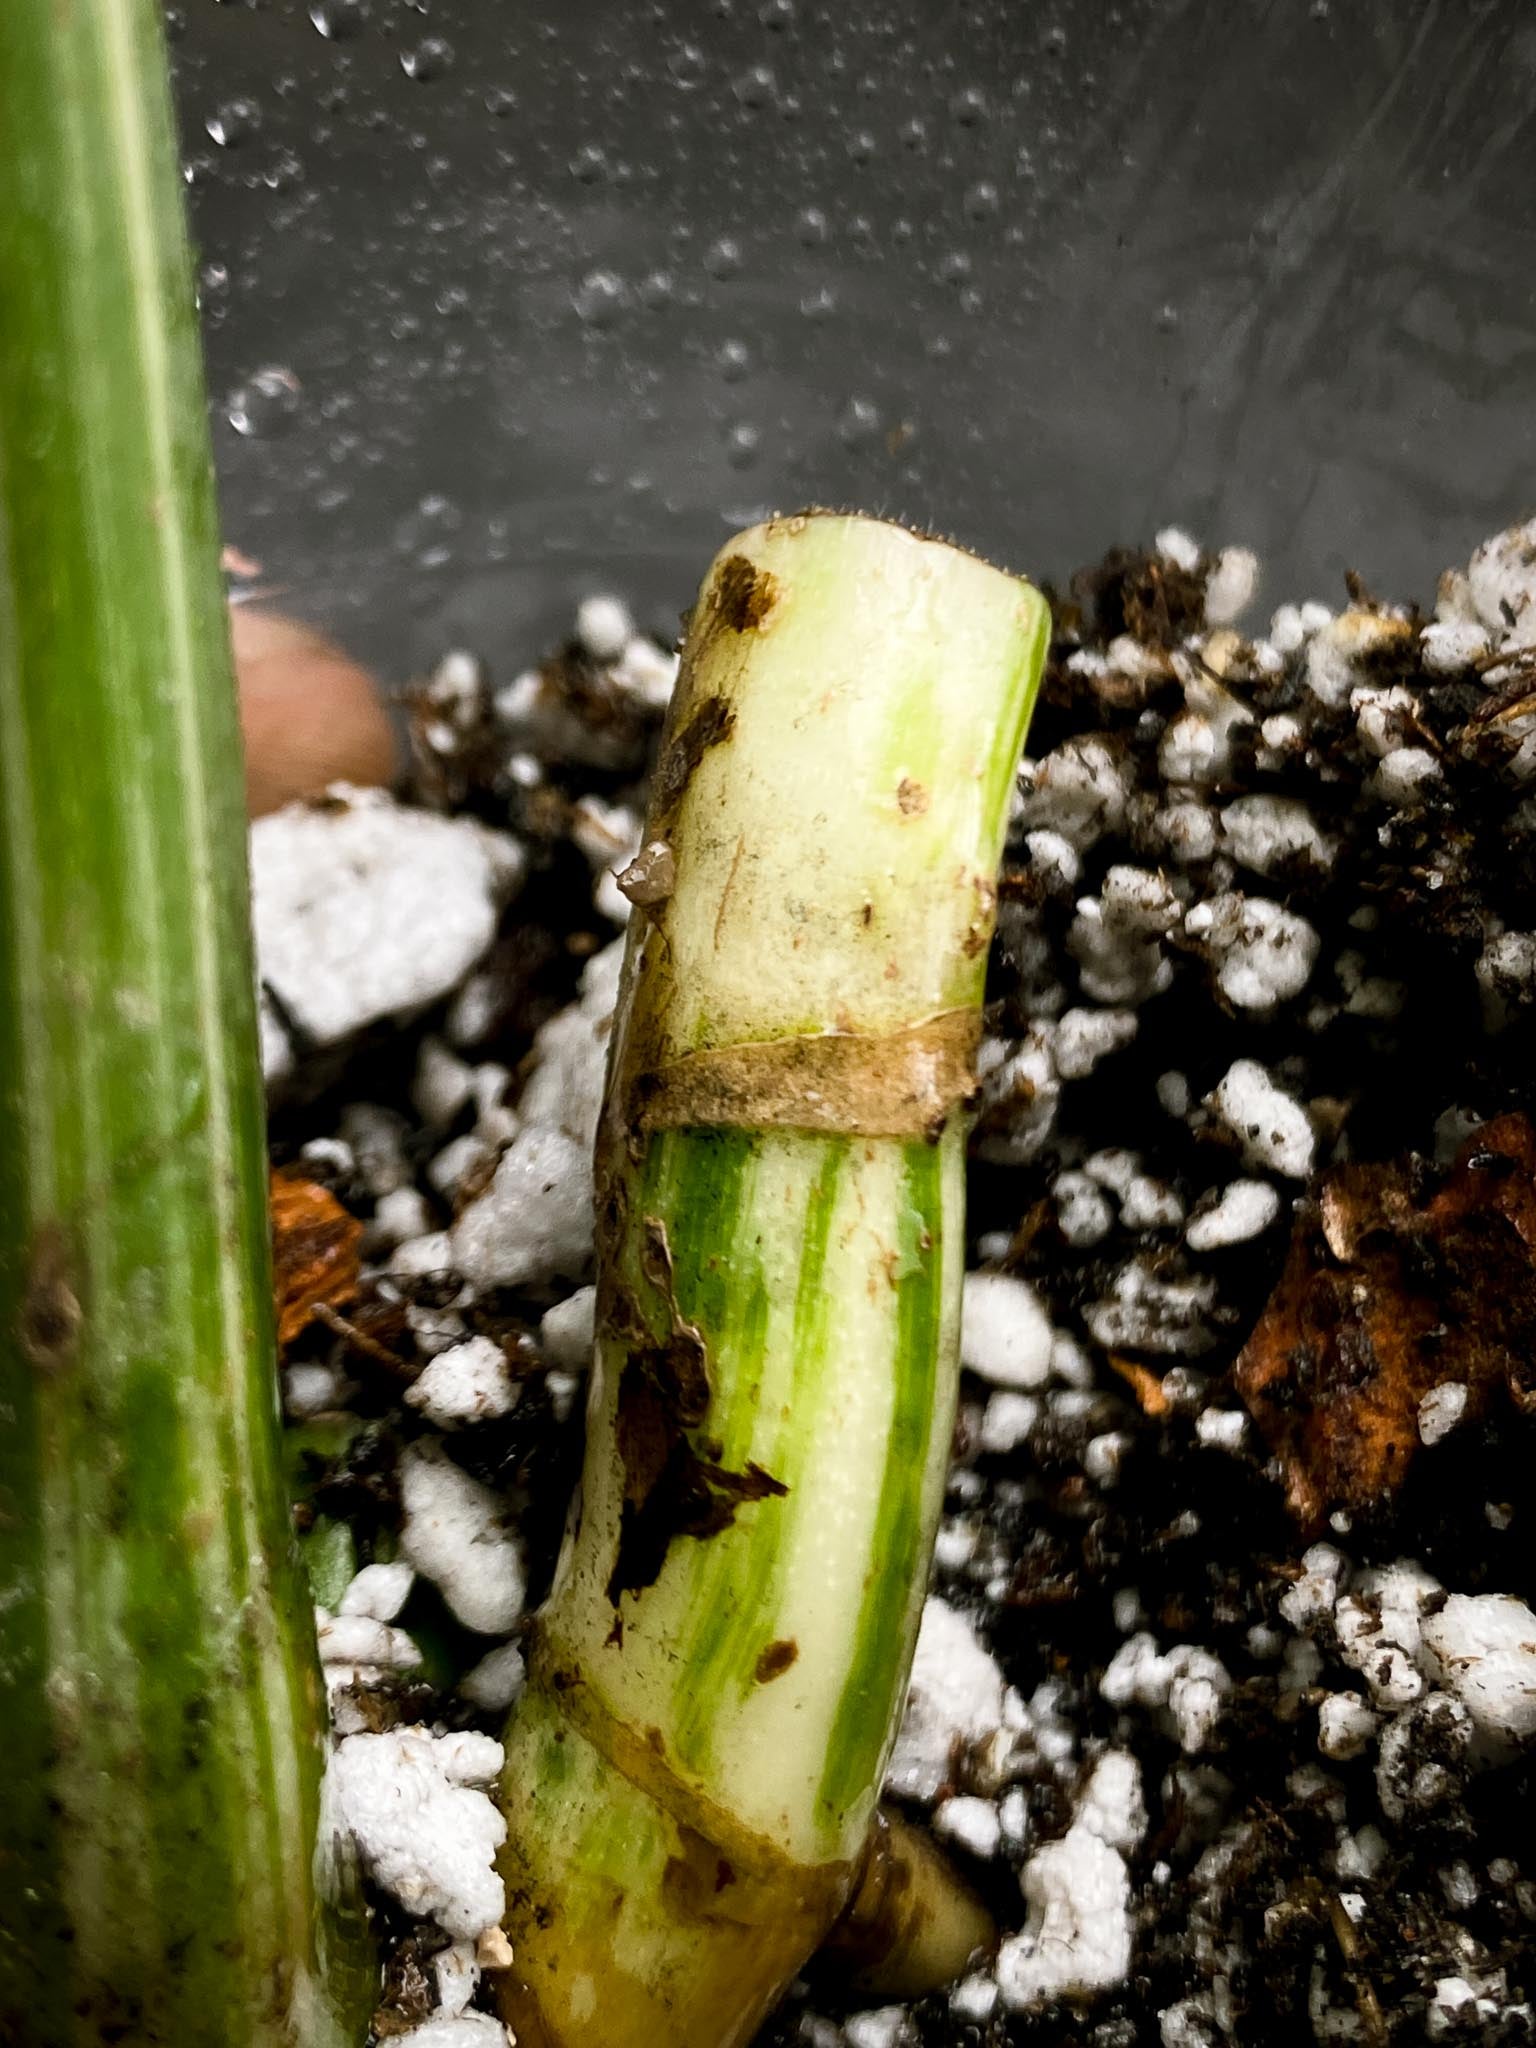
(457, 1972)
(1178, 547)
(1145, 1311)
(974, 1998)
(1229, 588)
(887, 2026)
(1243, 1210)
(1005, 1335)
(357, 1639)
(1006, 1421)
(955, 1696)
(1079, 790)
(454, 1532)
(566, 1331)
(495, 1682)
(1085, 1037)
(1501, 583)
(379, 1590)
(465, 2030)
(1077, 1938)
(467, 1383)
(1482, 1649)
(1261, 954)
(1377, 1625)
(425, 1828)
(364, 908)
(970, 1822)
(1083, 1212)
(1269, 832)
(1311, 1597)
(533, 1224)
(1440, 1410)
(604, 626)
(1184, 1686)
(1272, 1128)
(1345, 1725)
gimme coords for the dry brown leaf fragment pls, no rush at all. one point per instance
(314, 1252)
(1390, 1289)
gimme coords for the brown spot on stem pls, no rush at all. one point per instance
(743, 596)
(669, 1489)
(709, 726)
(51, 1315)
(776, 1660)
(978, 934)
(672, 1488)
(911, 798)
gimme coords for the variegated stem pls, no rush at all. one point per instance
(691, 1779)
(160, 1709)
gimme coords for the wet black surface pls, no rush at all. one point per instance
(602, 281)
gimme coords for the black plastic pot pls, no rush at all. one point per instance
(504, 303)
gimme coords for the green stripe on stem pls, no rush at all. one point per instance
(159, 1698)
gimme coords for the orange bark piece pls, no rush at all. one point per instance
(1145, 1384)
(1391, 1288)
(314, 1252)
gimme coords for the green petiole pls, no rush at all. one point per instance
(162, 1866)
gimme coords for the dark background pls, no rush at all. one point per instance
(602, 280)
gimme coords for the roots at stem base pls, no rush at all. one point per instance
(912, 1924)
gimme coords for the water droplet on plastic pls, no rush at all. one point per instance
(425, 534)
(861, 146)
(589, 166)
(233, 123)
(734, 360)
(858, 422)
(776, 14)
(500, 102)
(600, 298)
(656, 288)
(819, 304)
(283, 172)
(1056, 41)
(430, 58)
(981, 200)
(338, 19)
(1167, 319)
(954, 268)
(755, 87)
(686, 65)
(741, 444)
(811, 226)
(453, 300)
(914, 135)
(266, 404)
(969, 106)
(723, 257)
